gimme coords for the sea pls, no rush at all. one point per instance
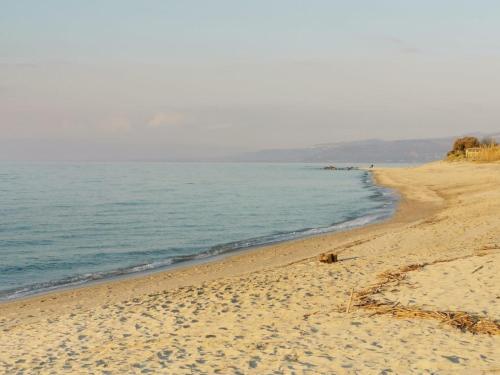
(68, 224)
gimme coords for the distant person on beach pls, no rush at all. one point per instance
(371, 166)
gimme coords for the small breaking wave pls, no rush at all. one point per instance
(218, 250)
(384, 206)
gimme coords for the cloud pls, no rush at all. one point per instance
(167, 119)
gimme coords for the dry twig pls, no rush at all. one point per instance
(465, 321)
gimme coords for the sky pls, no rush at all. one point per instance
(195, 80)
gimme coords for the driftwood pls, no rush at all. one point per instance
(328, 258)
(350, 302)
(478, 268)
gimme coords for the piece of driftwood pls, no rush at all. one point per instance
(328, 258)
(350, 302)
(477, 269)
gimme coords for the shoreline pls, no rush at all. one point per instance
(210, 267)
(393, 201)
(277, 309)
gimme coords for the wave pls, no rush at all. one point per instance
(386, 198)
(217, 250)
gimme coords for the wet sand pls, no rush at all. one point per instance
(277, 309)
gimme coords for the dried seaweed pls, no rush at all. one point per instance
(465, 321)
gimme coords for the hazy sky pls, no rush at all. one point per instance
(188, 79)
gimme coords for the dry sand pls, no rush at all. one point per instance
(277, 310)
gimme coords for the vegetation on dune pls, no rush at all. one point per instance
(488, 153)
(485, 150)
(462, 144)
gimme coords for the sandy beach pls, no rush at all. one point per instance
(388, 306)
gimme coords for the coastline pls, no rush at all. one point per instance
(209, 268)
(368, 180)
(379, 206)
(430, 196)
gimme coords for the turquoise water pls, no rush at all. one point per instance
(65, 224)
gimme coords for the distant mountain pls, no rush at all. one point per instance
(367, 151)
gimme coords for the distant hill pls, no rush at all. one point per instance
(367, 151)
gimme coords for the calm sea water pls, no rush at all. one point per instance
(66, 224)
